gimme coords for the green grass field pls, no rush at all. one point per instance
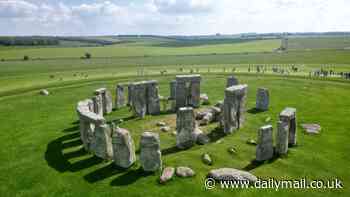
(41, 153)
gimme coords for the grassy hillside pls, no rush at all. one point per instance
(41, 153)
(319, 43)
(42, 156)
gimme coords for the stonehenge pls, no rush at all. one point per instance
(264, 148)
(262, 99)
(144, 98)
(110, 142)
(120, 96)
(187, 91)
(282, 138)
(288, 115)
(107, 101)
(150, 154)
(185, 127)
(123, 148)
(234, 108)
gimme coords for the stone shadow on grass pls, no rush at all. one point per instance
(71, 129)
(103, 173)
(58, 160)
(255, 111)
(216, 134)
(130, 177)
(255, 164)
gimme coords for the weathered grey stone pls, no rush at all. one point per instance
(184, 172)
(102, 143)
(232, 150)
(130, 89)
(206, 159)
(231, 174)
(150, 154)
(234, 108)
(231, 81)
(289, 115)
(120, 96)
(87, 121)
(153, 101)
(187, 90)
(205, 99)
(207, 119)
(167, 175)
(282, 138)
(165, 129)
(311, 128)
(44, 92)
(251, 142)
(123, 148)
(264, 149)
(172, 90)
(139, 99)
(199, 137)
(161, 124)
(262, 99)
(145, 98)
(107, 101)
(185, 125)
(98, 105)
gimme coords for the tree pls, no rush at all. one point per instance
(25, 58)
(87, 55)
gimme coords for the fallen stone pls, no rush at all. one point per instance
(311, 128)
(205, 99)
(161, 124)
(251, 142)
(167, 175)
(232, 150)
(44, 92)
(207, 159)
(165, 129)
(231, 174)
(184, 172)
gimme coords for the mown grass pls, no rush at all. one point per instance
(41, 153)
(137, 49)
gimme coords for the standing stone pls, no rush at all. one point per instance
(130, 89)
(288, 115)
(153, 101)
(231, 81)
(109, 102)
(262, 99)
(195, 98)
(123, 148)
(98, 106)
(102, 144)
(172, 89)
(282, 138)
(120, 97)
(187, 91)
(234, 108)
(150, 154)
(138, 99)
(87, 121)
(185, 126)
(264, 149)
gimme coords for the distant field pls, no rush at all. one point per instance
(319, 43)
(143, 48)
